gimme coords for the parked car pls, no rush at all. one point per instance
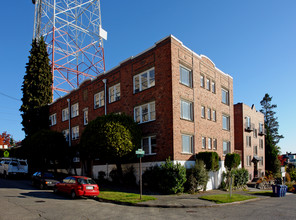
(77, 186)
(44, 180)
(13, 166)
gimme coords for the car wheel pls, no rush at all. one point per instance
(73, 195)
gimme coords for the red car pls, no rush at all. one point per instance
(77, 186)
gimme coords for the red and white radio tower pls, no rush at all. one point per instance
(73, 32)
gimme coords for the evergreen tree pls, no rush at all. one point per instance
(272, 136)
(36, 88)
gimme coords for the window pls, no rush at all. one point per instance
(66, 134)
(185, 76)
(208, 84)
(248, 159)
(209, 113)
(226, 123)
(145, 113)
(214, 115)
(226, 147)
(260, 128)
(186, 110)
(53, 119)
(149, 145)
(75, 132)
(85, 116)
(114, 93)
(202, 81)
(203, 112)
(255, 151)
(248, 122)
(74, 110)
(209, 143)
(99, 99)
(213, 87)
(225, 96)
(255, 133)
(65, 114)
(261, 143)
(215, 144)
(204, 144)
(249, 141)
(261, 161)
(187, 143)
(144, 80)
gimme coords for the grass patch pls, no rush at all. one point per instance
(131, 198)
(224, 198)
(262, 193)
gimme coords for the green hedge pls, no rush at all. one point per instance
(211, 160)
(232, 160)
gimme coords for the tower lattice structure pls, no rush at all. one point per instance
(73, 32)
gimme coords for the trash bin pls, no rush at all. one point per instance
(285, 189)
(277, 190)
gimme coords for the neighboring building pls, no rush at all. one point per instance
(182, 102)
(249, 139)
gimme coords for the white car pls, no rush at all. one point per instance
(11, 166)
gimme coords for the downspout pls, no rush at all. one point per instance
(105, 95)
(69, 109)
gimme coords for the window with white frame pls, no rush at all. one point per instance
(260, 128)
(209, 113)
(203, 142)
(65, 114)
(255, 151)
(85, 116)
(99, 99)
(149, 145)
(187, 143)
(225, 96)
(114, 93)
(226, 147)
(144, 80)
(248, 122)
(66, 134)
(209, 143)
(261, 143)
(226, 122)
(203, 112)
(248, 160)
(75, 132)
(144, 113)
(186, 110)
(215, 144)
(53, 119)
(202, 81)
(261, 161)
(255, 133)
(214, 115)
(74, 110)
(208, 84)
(213, 87)
(249, 141)
(185, 76)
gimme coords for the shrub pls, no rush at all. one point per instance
(191, 183)
(197, 177)
(129, 178)
(241, 177)
(210, 159)
(232, 160)
(151, 177)
(292, 172)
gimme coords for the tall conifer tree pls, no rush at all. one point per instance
(36, 88)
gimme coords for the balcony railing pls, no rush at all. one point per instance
(249, 127)
(262, 132)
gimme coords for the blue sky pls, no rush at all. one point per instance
(253, 41)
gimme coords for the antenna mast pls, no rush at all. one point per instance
(72, 30)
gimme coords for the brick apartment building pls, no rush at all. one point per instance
(181, 100)
(249, 138)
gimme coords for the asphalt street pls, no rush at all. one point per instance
(19, 200)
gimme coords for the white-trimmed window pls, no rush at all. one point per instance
(261, 161)
(203, 112)
(260, 128)
(226, 122)
(225, 96)
(74, 110)
(248, 160)
(255, 133)
(65, 114)
(226, 147)
(186, 110)
(208, 84)
(99, 99)
(66, 134)
(209, 143)
(209, 113)
(214, 115)
(75, 132)
(213, 87)
(149, 145)
(203, 142)
(261, 143)
(249, 141)
(215, 144)
(144, 113)
(255, 151)
(185, 76)
(53, 119)
(144, 80)
(114, 93)
(202, 81)
(187, 143)
(85, 116)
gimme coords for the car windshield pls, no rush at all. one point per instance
(48, 175)
(23, 163)
(14, 164)
(86, 181)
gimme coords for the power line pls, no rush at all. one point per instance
(8, 96)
